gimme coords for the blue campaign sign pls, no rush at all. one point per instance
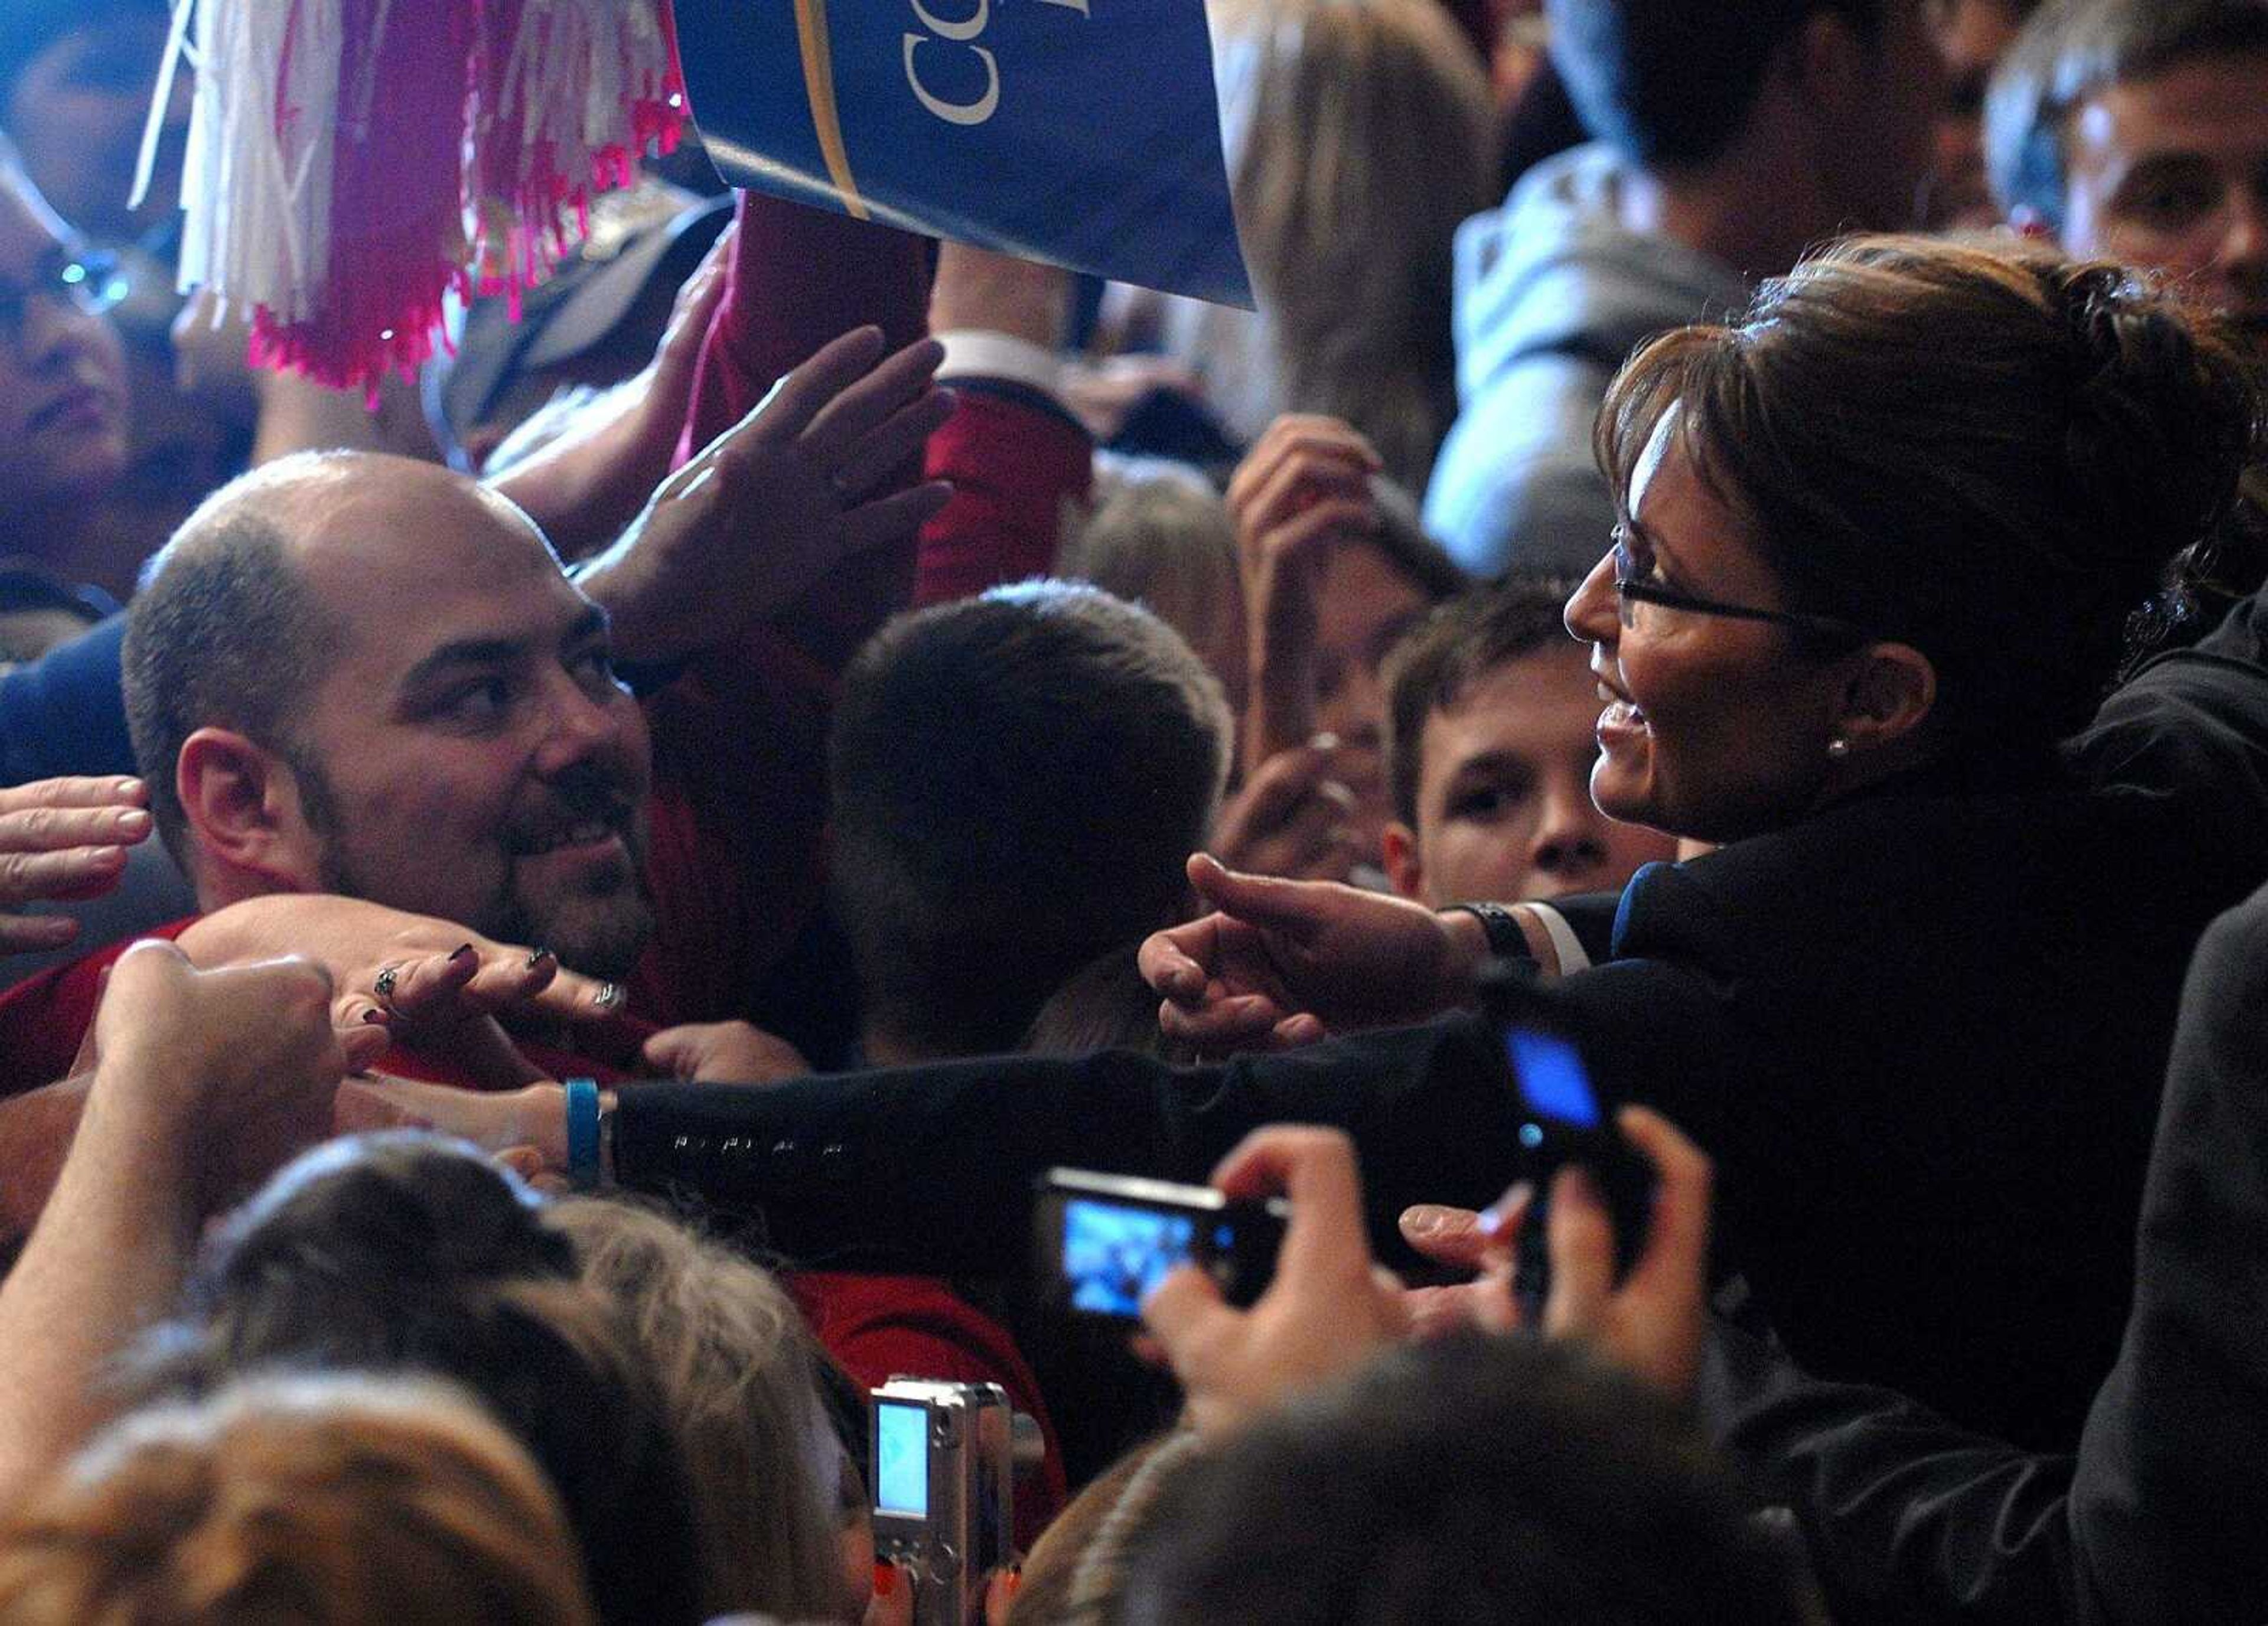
(1081, 132)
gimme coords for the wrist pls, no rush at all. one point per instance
(544, 1122)
(1465, 951)
(609, 580)
(132, 1120)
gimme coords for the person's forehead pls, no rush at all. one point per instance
(1362, 591)
(1696, 534)
(1533, 706)
(406, 570)
(2212, 106)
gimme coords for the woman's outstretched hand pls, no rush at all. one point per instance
(1280, 963)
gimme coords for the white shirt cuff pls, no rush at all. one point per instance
(976, 353)
(1565, 943)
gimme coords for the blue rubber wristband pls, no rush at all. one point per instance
(583, 1131)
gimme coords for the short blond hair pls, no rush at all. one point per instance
(332, 1500)
(733, 1361)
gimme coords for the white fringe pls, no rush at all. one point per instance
(258, 205)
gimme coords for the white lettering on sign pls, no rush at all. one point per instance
(960, 33)
(954, 112)
(964, 34)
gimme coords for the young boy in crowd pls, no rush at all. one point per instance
(1490, 744)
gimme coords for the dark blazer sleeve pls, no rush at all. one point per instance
(1910, 1518)
(929, 1169)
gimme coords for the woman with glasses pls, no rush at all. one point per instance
(1879, 546)
(63, 387)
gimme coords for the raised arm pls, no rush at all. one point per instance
(191, 1062)
(796, 278)
(1014, 455)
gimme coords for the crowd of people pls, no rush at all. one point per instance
(551, 920)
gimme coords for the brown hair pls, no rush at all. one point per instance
(1438, 662)
(334, 1500)
(1371, 136)
(1986, 451)
(729, 1351)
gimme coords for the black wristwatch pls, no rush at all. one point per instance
(1507, 944)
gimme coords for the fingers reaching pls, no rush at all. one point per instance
(60, 839)
(861, 406)
(790, 408)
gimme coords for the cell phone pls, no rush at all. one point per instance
(1101, 1242)
(945, 1457)
(1563, 1118)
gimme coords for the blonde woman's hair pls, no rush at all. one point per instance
(332, 1501)
(1078, 1569)
(1160, 536)
(1372, 136)
(735, 1363)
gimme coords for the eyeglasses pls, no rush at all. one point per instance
(1634, 563)
(83, 280)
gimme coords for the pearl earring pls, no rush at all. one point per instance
(1838, 748)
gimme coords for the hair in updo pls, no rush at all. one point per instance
(1988, 452)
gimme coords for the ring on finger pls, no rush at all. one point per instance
(389, 978)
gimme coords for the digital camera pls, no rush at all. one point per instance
(1102, 1242)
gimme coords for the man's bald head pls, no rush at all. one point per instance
(236, 623)
(225, 632)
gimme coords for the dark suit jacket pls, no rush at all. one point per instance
(2158, 1516)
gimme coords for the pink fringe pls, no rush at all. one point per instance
(401, 185)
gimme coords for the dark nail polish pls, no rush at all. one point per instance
(378, 1017)
(537, 956)
(465, 952)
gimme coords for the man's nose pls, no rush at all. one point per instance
(580, 724)
(2244, 253)
(1567, 841)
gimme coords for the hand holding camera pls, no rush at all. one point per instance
(945, 1457)
(1649, 1318)
(1327, 1308)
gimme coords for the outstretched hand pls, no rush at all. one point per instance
(1282, 962)
(427, 984)
(769, 507)
(63, 839)
(1328, 1309)
(1650, 1324)
(1304, 485)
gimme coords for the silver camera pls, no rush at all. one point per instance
(945, 1462)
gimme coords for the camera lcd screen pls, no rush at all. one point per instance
(1551, 1077)
(901, 1458)
(1114, 1254)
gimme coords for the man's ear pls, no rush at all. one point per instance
(1891, 693)
(244, 809)
(1405, 872)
